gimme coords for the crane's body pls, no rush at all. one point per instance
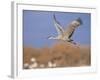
(65, 34)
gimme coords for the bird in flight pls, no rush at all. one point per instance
(65, 34)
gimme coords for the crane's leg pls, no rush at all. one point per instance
(72, 41)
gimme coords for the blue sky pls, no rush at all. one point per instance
(38, 25)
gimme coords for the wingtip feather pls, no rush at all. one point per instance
(80, 20)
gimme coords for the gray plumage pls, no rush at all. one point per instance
(66, 34)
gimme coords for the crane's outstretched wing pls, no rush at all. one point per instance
(72, 26)
(58, 26)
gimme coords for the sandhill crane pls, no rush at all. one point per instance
(65, 34)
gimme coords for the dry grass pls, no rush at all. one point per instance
(63, 54)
